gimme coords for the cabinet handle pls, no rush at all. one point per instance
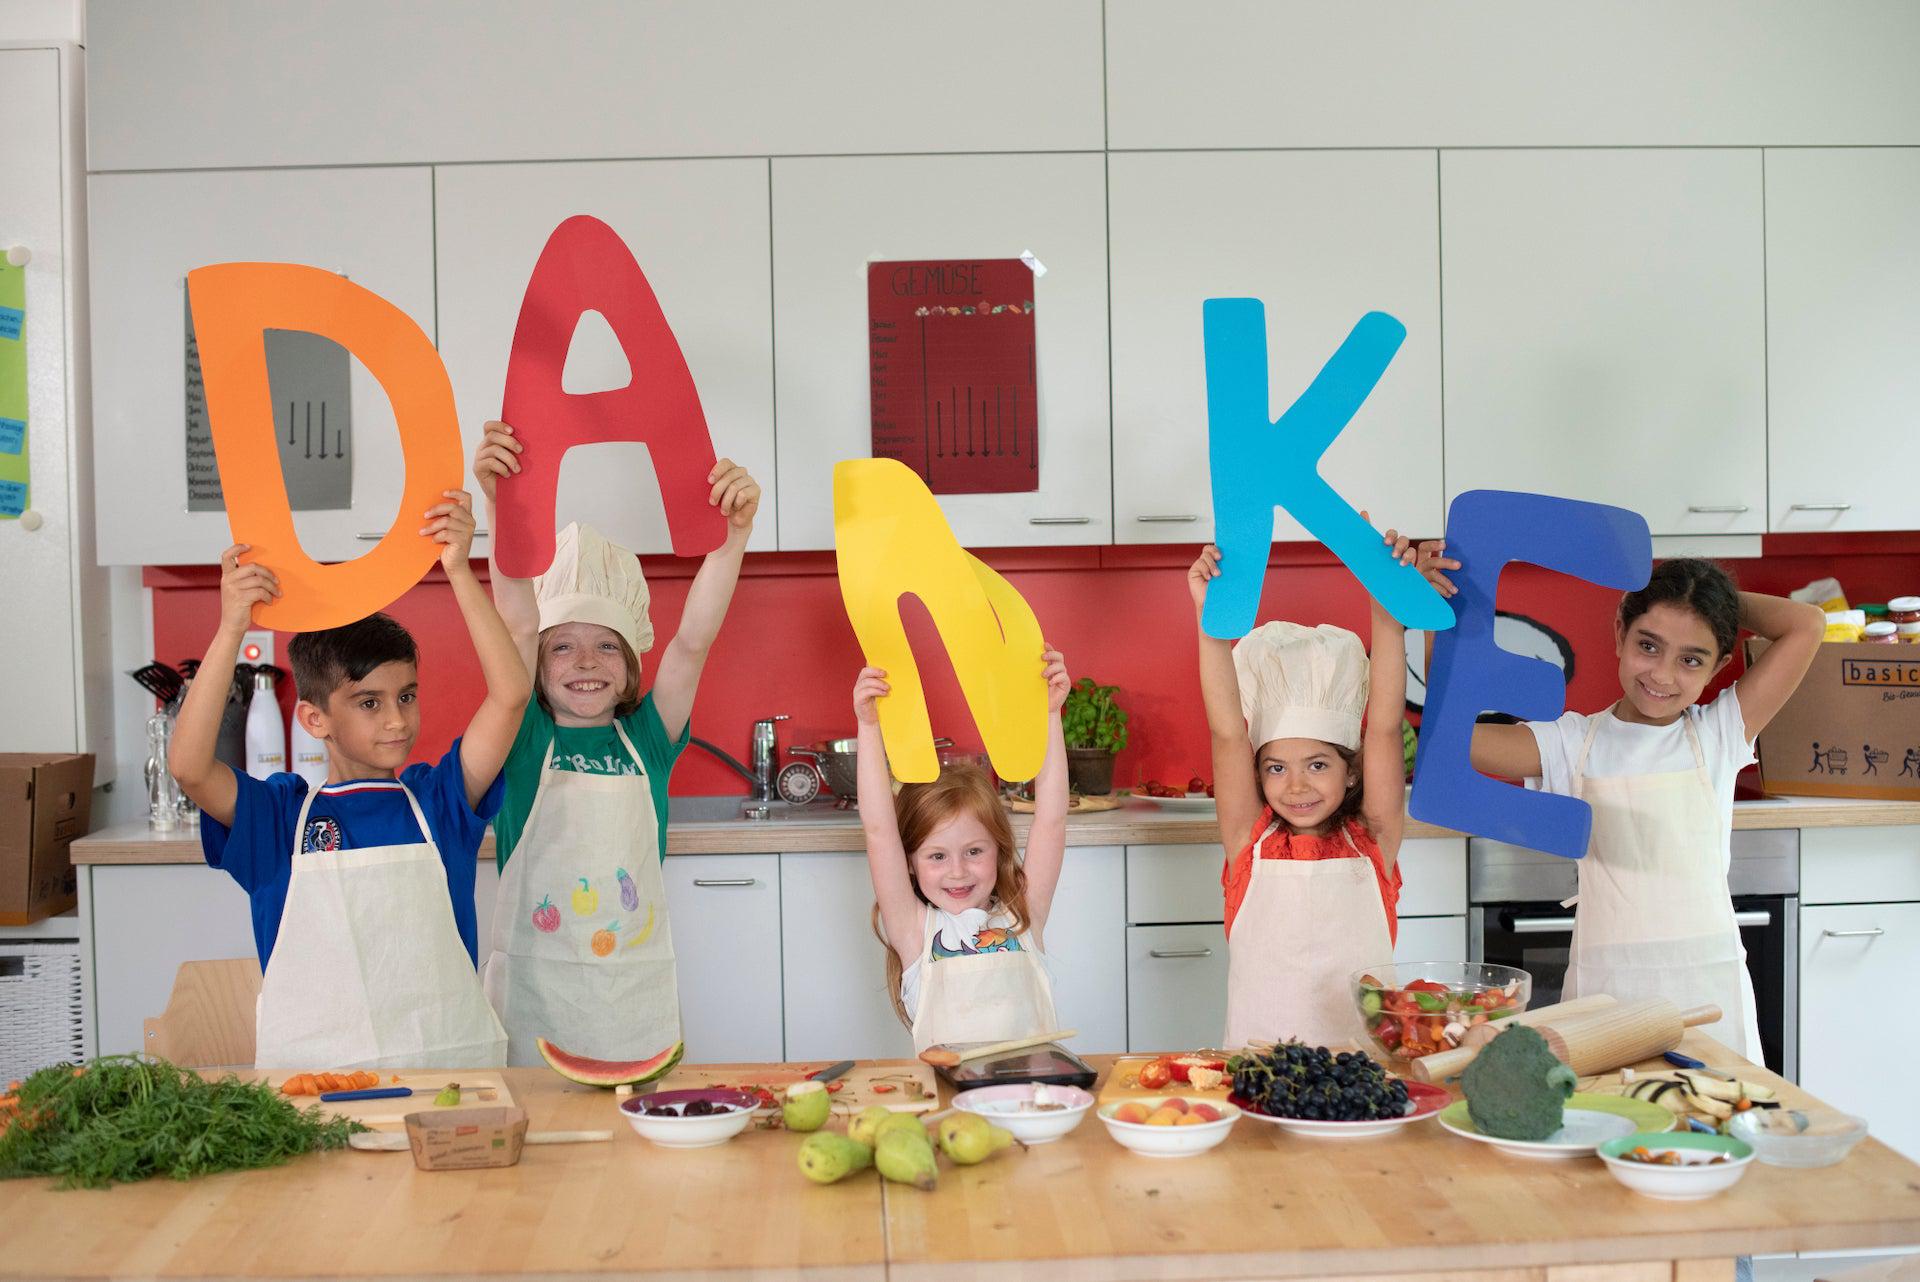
(1541, 925)
(1059, 520)
(1717, 509)
(1180, 952)
(1757, 917)
(723, 881)
(1874, 933)
(1169, 518)
(1819, 507)
(374, 536)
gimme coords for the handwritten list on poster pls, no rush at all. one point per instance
(14, 478)
(952, 371)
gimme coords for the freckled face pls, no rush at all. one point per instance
(583, 673)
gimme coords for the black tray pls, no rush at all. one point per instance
(1052, 1064)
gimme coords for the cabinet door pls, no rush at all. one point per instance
(1605, 322)
(1322, 238)
(1843, 305)
(148, 231)
(1176, 987)
(1086, 946)
(726, 944)
(1425, 939)
(147, 919)
(1433, 877)
(831, 216)
(1855, 1052)
(832, 965)
(698, 229)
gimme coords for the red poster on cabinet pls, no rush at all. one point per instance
(950, 353)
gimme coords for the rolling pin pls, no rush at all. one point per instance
(1450, 1063)
(1592, 1040)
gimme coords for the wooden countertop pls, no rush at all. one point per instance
(1135, 823)
(1266, 1203)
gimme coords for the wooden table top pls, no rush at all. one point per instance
(1265, 1203)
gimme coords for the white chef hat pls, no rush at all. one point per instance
(593, 580)
(1301, 683)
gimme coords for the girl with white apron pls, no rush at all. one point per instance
(581, 952)
(368, 970)
(986, 997)
(1655, 916)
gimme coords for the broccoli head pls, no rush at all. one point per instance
(1515, 1088)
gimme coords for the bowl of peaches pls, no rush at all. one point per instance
(1415, 1009)
(1169, 1125)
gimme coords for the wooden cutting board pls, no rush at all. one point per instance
(856, 1095)
(478, 1088)
(1121, 1083)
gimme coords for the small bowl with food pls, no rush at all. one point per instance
(1415, 1009)
(690, 1118)
(1791, 1137)
(1034, 1112)
(1677, 1166)
(1169, 1125)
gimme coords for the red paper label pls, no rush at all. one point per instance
(951, 357)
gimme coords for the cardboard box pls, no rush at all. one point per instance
(465, 1139)
(46, 800)
(1852, 729)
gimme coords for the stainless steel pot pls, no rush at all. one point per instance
(838, 761)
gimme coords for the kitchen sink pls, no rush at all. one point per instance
(734, 810)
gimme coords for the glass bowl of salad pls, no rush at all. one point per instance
(1414, 1009)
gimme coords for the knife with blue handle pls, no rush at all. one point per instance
(376, 1092)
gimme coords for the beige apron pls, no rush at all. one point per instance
(581, 953)
(1655, 917)
(989, 997)
(1304, 928)
(368, 970)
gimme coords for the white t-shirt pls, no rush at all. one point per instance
(1627, 748)
(959, 935)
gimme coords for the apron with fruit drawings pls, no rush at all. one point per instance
(1655, 916)
(368, 970)
(992, 996)
(581, 951)
(1303, 930)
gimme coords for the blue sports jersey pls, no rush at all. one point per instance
(258, 850)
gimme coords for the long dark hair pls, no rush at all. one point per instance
(1703, 587)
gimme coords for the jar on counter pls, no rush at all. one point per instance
(1909, 632)
(1904, 609)
(1881, 632)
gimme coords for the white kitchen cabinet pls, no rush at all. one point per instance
(1843, 306)
(698, 229)
(1322, 238)
(147, 919)
(148, 231)
(1606, 331)
(1086, 947)
(1855, 1049)
(833, 973)
(1174, 884)
(1176, 987)
(725, 911)
(831, 216)
(1859, 865)
(1433, 879)
(1425, 939)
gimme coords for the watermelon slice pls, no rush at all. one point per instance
(605, 1072)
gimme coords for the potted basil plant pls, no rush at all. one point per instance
(1095, 729)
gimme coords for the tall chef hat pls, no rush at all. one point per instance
(1302, 683)
(592, 580)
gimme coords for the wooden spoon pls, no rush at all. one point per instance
(948, 1056)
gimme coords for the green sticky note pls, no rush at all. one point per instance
(14, 475)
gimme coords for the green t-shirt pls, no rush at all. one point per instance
(587, 750)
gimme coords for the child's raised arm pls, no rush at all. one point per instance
(1382, 747)
(737, 495)
(886, 857)
(1795, 629)
(1236, 783)
(209, 782)
(1047, 838)
(498, 456)
(1506, 751)
(484, 746)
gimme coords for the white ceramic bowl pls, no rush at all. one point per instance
(1168, 1141)
(1694, 1180)
(1002, 1105)
(690, 1132)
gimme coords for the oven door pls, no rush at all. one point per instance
(1536, 937)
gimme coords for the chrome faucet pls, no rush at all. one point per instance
(763, 755)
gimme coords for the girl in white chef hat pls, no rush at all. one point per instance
(582, 954)
(1311, 810)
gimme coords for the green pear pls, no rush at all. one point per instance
(906, 1158)
(826, 1157)
(866, 1127)
(908, 1123)
(968, 1138)
(806, 1107)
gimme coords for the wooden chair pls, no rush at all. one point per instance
(209, 1019)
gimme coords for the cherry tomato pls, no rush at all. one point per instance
(884, 1088)
(1156, 1075)
(835, 1087)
